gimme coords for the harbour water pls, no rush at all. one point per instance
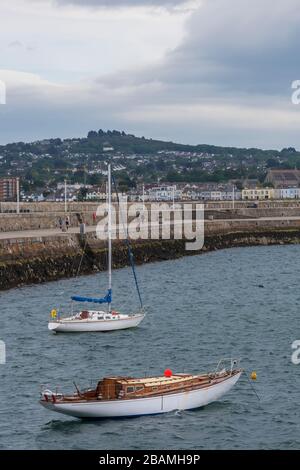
(240, 302)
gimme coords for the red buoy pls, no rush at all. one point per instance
(168, 373)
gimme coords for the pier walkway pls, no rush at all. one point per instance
(92, 228)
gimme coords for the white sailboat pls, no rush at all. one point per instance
(126, 396)
(98, 320)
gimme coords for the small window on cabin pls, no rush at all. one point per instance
(139, 387)
(130, 389)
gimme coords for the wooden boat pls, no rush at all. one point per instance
(127, 396)
(99, 320)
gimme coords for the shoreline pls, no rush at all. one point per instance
(37, 261)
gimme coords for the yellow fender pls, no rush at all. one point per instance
(53, 313)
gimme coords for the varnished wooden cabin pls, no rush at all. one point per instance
(113, 388)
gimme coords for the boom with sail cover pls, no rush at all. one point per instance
(104, 300)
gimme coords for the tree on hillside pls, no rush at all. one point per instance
(94, 179)
(82, 194)
(92, 135)
(272, 163)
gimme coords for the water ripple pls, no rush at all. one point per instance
(201, 308)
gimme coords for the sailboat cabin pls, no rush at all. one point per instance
(113, 388)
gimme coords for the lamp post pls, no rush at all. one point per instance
(18, 196)
(173, 197)
(66, 196)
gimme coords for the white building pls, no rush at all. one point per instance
(287, 193)
(220, 195)
(96, 196)
(258, 194)
(230, 195)
(75, 186)
(100, 195)
(164, 193)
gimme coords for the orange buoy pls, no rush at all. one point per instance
(168, 373)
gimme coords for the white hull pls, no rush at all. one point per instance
(77, 326)
(145, 406)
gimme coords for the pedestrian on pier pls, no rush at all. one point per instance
(67, 222)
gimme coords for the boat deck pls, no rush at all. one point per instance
(158, 381)
(126, 388)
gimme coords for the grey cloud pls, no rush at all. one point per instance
(20, 45)
(15, 44)
(237, 55)
(241, 45)
(120, 3)
(233, 47)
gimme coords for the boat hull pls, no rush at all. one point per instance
(94, 325)
(145, 406)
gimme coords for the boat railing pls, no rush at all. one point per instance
(229, 364)
(48, 394)
(44, 388)
(141, 311)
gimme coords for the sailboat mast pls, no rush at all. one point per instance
(109, 232)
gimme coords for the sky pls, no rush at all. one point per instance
(198, 71)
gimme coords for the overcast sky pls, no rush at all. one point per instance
(197, 71)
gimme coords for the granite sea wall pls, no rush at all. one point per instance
(35, 260)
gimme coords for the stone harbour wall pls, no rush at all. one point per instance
(35, 260)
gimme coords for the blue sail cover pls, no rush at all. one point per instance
(103, 300)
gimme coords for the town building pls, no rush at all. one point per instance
(251, 183)
(258, 194)
(8, 189)
(164, 193)
(281, 178)
(100, 194)
(287, 193)
(96, 195)
(73, 187)
(220, 195)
